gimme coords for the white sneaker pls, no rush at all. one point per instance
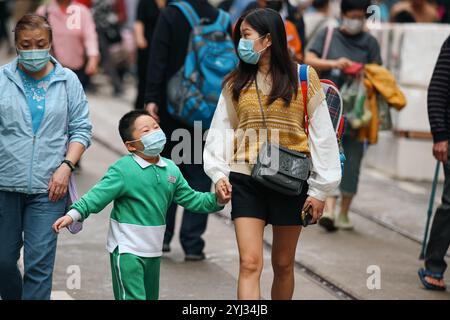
(344, 223)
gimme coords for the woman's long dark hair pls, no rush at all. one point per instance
(283, 69)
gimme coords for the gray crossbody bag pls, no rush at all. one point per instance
(278, 168)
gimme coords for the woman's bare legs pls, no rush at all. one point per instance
(249, 236)
(284, 245)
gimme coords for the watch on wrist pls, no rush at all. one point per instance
(70, 164)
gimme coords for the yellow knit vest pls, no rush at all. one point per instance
(287, 121)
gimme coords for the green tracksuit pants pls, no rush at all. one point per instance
(134, 277)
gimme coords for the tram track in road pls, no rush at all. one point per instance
(390, 227)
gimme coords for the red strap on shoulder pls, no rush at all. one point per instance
(304, 87)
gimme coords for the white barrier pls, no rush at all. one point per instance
(410, 51)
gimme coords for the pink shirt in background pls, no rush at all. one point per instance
(74, 34)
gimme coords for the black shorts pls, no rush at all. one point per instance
(252, 200)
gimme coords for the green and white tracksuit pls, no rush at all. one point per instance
(142, 193)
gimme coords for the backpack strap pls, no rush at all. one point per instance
(224, 19)
(189, 12)
(303, 76)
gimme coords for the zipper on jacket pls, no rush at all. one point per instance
(30, 173)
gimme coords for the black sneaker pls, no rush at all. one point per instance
(166, 247)
(328, 224)
(195, 257)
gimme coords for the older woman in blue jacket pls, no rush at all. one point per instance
(44, 130)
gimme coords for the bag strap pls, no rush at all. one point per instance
(326, 45)
(189, 13)
(261, 106)
(303, 77)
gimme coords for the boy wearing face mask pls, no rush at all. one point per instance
(142, 185)
(350, 44)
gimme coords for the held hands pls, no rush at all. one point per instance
(223, 191)
(57, 186)
(316, 206)
(61, 223)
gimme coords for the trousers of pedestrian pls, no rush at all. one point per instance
(134, 277)
(26, 220)
(354, 152)
(439, 240)
(193, 225)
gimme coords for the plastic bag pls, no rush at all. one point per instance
(354, 99)
(72, 196)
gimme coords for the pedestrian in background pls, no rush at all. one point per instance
(317, 19)
(75, 47)
(350, 44)
(109, 16)
(44, 130)
(147, 15)
(267, 73)
(432, 276)
(167, 55)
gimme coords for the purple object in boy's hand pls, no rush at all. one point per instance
(75, 227)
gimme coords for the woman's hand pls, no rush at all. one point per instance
(317, 207)
(342, 63)
(223, 191)
(61, 223)
(57, 187)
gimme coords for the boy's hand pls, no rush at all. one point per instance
(223, 191)
(61, 223)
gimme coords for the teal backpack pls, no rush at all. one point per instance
(193, 92)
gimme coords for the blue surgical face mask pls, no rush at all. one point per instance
(153, 142)
(246, 51)
(34, 60)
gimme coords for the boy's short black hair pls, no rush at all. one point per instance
(349, 5)
(126, 124)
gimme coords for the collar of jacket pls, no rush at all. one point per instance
(11, 71)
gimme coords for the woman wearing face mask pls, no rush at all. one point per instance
(44, 130)
(350, 43)
(231, 149)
